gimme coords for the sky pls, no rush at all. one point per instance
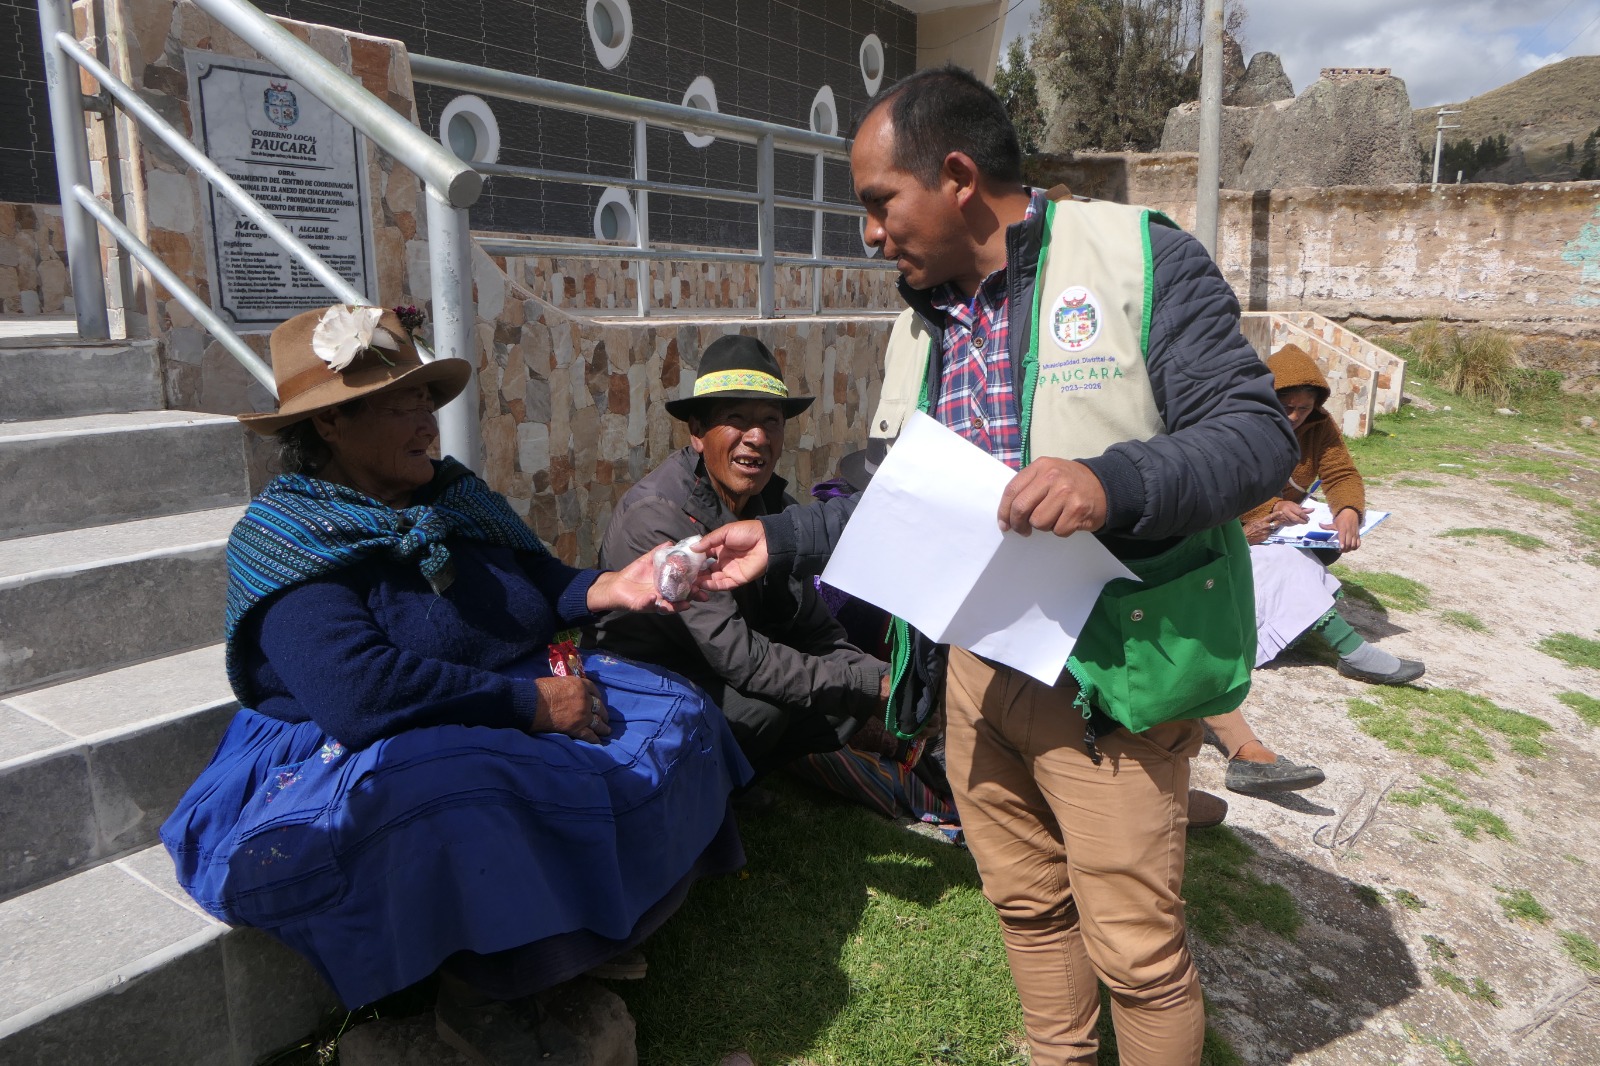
(1446, 51)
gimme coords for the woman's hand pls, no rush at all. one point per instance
(571, 705)
(1290, 514)
(633, 588)
(1347, 523)
(1257, 530)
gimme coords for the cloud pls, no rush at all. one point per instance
(1446, 51)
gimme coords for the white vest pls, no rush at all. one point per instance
(1087, 388)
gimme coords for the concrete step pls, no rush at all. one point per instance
(86, 600)
(115, 966)
(85, 379)
(90, 768)
(67, 473)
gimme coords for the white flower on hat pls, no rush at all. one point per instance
(344, 332)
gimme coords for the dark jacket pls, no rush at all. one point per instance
(773, 639)
(1228, 443)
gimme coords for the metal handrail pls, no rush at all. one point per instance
(767, 137)
(451, 186)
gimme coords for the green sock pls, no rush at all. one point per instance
(1337, 632)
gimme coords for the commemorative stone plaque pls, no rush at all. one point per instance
(304, 164)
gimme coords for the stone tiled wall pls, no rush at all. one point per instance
(1390, 368)
(33, 271)
(573, 409)
(609, 286)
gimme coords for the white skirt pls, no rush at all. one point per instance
(1293, 591)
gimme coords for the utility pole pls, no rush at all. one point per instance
(1438, 142)
(1210, 169)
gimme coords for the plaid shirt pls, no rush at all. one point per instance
(976, 395)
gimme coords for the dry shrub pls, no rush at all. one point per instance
(1480, 364)
(1483, 366)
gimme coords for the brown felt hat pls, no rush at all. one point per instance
(307, 383)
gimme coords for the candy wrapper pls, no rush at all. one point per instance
(676, 569)
(565, 661)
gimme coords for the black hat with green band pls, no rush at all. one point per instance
(738, 368)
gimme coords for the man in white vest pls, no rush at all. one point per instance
(1094, 348)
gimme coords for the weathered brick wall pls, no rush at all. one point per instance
(1522, 257)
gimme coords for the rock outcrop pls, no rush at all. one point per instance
(1264, 82)
(1357, 131)
(1354, 130)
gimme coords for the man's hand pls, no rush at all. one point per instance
(1348, 525)
(1056, 495)
(740, 551)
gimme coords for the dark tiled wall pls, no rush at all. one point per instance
(27, 161)
(766, 58)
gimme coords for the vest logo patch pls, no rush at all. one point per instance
(1075, 319)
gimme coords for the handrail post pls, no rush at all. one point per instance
(816, 238)
(450, 264)
(766, 229)
(641, 215)
(72, 169)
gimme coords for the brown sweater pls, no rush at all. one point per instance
(1322, 451)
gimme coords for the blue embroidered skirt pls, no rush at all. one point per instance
(542, 852)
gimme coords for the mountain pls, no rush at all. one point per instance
(1538, 114)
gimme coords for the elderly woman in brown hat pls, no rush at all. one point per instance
(424, 777)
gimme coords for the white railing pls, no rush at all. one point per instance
(451, 187)
(767, 137)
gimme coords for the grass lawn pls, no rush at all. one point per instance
(855, 942)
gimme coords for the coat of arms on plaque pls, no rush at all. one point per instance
(280, 105)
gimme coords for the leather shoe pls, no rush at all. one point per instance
(1279, 775)
(1206, 810)
(1408, 670)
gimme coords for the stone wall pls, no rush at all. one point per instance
(1524, 258)
(608, 286)
(33, 269)
(573, 408)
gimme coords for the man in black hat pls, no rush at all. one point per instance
(787, 678)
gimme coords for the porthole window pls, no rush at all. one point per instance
(613, 217)
(871, 63)
(610, 30)
(702, 96)
(824, 114)
(468, 128)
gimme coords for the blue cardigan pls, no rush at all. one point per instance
(372, 650)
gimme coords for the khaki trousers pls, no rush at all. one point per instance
(1084, 863)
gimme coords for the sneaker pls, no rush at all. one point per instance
(629, 966)
(1408, 670)
(1206, 810)
(495, 1033)
(1279, 775)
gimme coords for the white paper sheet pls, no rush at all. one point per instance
(924, 544)
(1310, 534)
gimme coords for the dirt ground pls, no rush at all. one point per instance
(1362, 983)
